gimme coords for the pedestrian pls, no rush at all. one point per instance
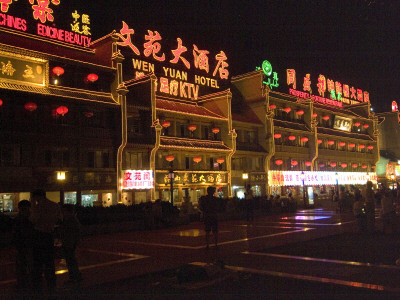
(370, 207)
(359, 211)
(388, 213)
(23, 235)
(249, 201)
(45, 215)
(70, 238)
(208, 204)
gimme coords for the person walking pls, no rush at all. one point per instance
(45, 216)
(370, 207)
(70, 238)
(208, 204)
(359, 211)
(23, 236)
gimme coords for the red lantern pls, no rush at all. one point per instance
(321, 165)
(92, 77)
(1, 102)
(300, 112)
(215, 130)
(365, 126)
(354, 165)
(292, 137)
(279, 162)
(88, 114)
(373, 167)
(287, 109)
(304, 139)
(331, 143)
(62, 110)
(343, 165)
(308, 163)
(197, 159)
(364, 166)
(357, 124)
(277, 135)
(314, 115)
(341, 144)
(362, 146)
(326, 118)
(333, 164)
(370, 147)
(294, 162)
(192, 127)
(352, 145)
(169, 158)
(58, 71)
(272, 106)
(30, 106)
(319, 141)
(220, 160)
(166, 124)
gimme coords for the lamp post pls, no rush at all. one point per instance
(61, 178)
(170, 158)
(302, 178)
(245, 176)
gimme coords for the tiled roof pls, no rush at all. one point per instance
(184, 108)
(290, 125)
(60, 92)
(174, 142)
(341, 133)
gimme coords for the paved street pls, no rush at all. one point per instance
(287, 254)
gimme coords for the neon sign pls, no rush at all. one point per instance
(172, 81)
(293, 178)
(267, 69)
(336, 91)
(137, 179)
(394, 106)
(42, 13)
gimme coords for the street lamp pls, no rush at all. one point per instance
(245, 176)
(61, 175)
(170, 158)
(302, 178)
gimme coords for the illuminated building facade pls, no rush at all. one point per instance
(59, 122)
(304, 135)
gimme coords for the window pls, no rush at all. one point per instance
(134, 160)
(106, 159)
(90, 159)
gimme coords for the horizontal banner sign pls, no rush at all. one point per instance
(137, 179)
(284, 178)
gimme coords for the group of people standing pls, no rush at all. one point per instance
(37, 224)
(364, 208)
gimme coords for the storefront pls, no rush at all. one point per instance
(304, 185)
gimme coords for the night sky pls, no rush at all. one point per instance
(353, 42)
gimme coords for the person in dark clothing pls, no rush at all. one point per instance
(70, 238)
(45, 216)
(23, 234)
(209, 206)
(249, 201)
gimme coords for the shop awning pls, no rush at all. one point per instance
(182, 143)
(60, 92)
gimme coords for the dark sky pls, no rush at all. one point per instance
(352, 41)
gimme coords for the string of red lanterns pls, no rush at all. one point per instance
(292, 137)
(30, 106)
(62, 110)
(300, 112)
(277, 135)
(287, 109)
(278, 162)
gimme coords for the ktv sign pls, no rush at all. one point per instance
(181, 70)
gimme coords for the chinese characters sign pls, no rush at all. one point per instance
(181, 68)
(137, 179)
(193, 178)
(292, 178)
(329, 91)
(38, 17)
(267, 69)
(22, 70)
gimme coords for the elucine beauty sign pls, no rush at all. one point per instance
(137, 179)
(287, 178)
(39, 16)
(181, 68)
